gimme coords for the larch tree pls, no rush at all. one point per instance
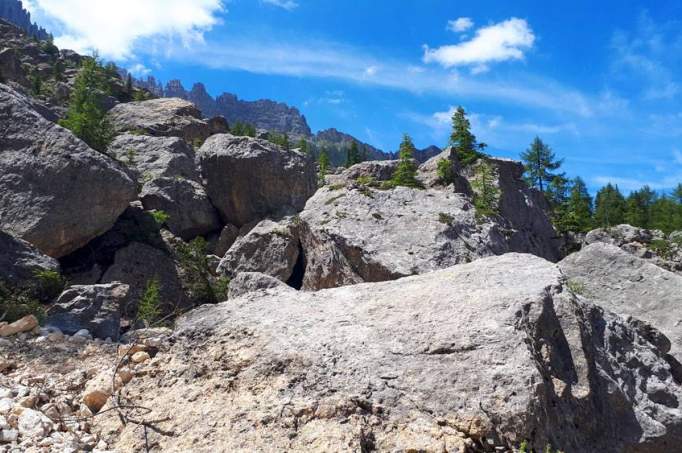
(540, 163)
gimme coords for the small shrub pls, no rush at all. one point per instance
(160, 217)
(575, 287)
(48, 284)
(366, 180)
(366, 191)
(661, 247)
(523, 448)
(130, 156)
(149, 306)
(195, 273)
(337, 186)
(445, 218)
(15, 304)
(221, 286)
(444, 171)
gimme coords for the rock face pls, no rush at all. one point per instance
(247, 282)
(55, 192)
(271, 248)
(652, 245)
(249, 179)
(161, 117)
(488, 353)
(170, 182)
(136, 265)
(96, 308)
(359, 233)
(14, 12)
(19, 261)
(630, 286)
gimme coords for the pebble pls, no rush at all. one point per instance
(83, 333)
(140, 357)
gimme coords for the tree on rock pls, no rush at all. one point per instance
(463, 142)
(609, 206)
(486, 192)
(353, 155)
(406, 171)
(323, 165)
(86, 116)
(540, 162)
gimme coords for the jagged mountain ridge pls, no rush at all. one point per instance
(14, 12)
(274, 116)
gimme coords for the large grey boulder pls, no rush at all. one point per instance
(96, 308)
(652, 245)
(470, 358)
(272, 248)
(249, 179)
(19, 261)
(138, 264)
(161, 117)
(630, 286)
(247, 282)
(169, 180)
(55, 191)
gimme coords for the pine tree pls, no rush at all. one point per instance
(463, 142)
(677, 194)
(303, 146)
(557, 196)
(539, 161)
(406, 171)
(666, 215)
(129, 85)
(578, 208)
(486, 193)
(609, 207)
(353, 155)
(638, 207)
(323, 164)
(85, 116)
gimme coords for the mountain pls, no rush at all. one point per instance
(14, 12)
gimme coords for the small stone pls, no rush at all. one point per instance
(140, 357)
(9, 435)
(33, 424)
(95, 400)
(25, 324)
(4, 342)
(125, 375)
(28, 401)
(6, 405)
(83, 333)
(78, 339)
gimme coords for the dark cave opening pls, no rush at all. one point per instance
(296, 279)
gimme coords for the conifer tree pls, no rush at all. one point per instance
(666, 215)
(463, 142)
(486, 193)
(578, 208)
(557, 196)
(677, 194)
(638, 207)
(609, 207)
(85, 116)
(323, 164)
(540, 162)
(303, 146)
(406, 171)
(353, 155)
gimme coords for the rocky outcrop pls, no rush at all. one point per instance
(652, 245)
(270, 248)
(247, 282)
(96, 308)
(161, 117)
(629, 286)
(169, 180)
(361, 233)
(19, 261)
(138, 264)
(14, 12)
(371, 170)
(470, 358)
(249, 179)
(55, 191)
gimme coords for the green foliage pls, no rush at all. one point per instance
(609, 207)
(221, 287)
(366, 180)
(86, 116)
(406, 171)
(58, 71)
(486, 193)
(303, 146)
(445, 218)
(49, 48)
(195, 271)
(661, 247)
(638, 207)
(323, 165)
(243, 129)
(149, 305)
(463, 142)
(571, 204)
(540, 162)
(353, 155)
(36, 83)
(160, 217)
(575, 287)
(15, 304)
(523, 448)
(130, 156)
(48, 284)
(141, 95)
(445, 172)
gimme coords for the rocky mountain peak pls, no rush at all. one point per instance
(13, 11)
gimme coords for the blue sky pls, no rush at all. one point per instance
(601, 82)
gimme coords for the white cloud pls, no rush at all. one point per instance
(112, 28)
(289, 5)
(499, 42)
(460, 24)
(371, 70)
(677, 155)
(139, 70)
(630, 184)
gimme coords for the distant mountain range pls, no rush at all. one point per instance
(14, 12)
(273, 116)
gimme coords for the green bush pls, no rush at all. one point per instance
(48, 284)
(575, 287)
(486, 193)
(160, 217)
(195, 273)
(221, 286)
(445, 173)
(661, 247)
(15, 304)
(445, 218)
(149, 306)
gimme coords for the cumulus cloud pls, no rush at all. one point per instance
(461, 24)
(139, 70)
(503, 41)
(113, 28)
(285, 4)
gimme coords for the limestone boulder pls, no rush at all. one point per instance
(55, 191)
(629, 286)
(169, 181)
(249, 179)
(19, 261)
(476, 357)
